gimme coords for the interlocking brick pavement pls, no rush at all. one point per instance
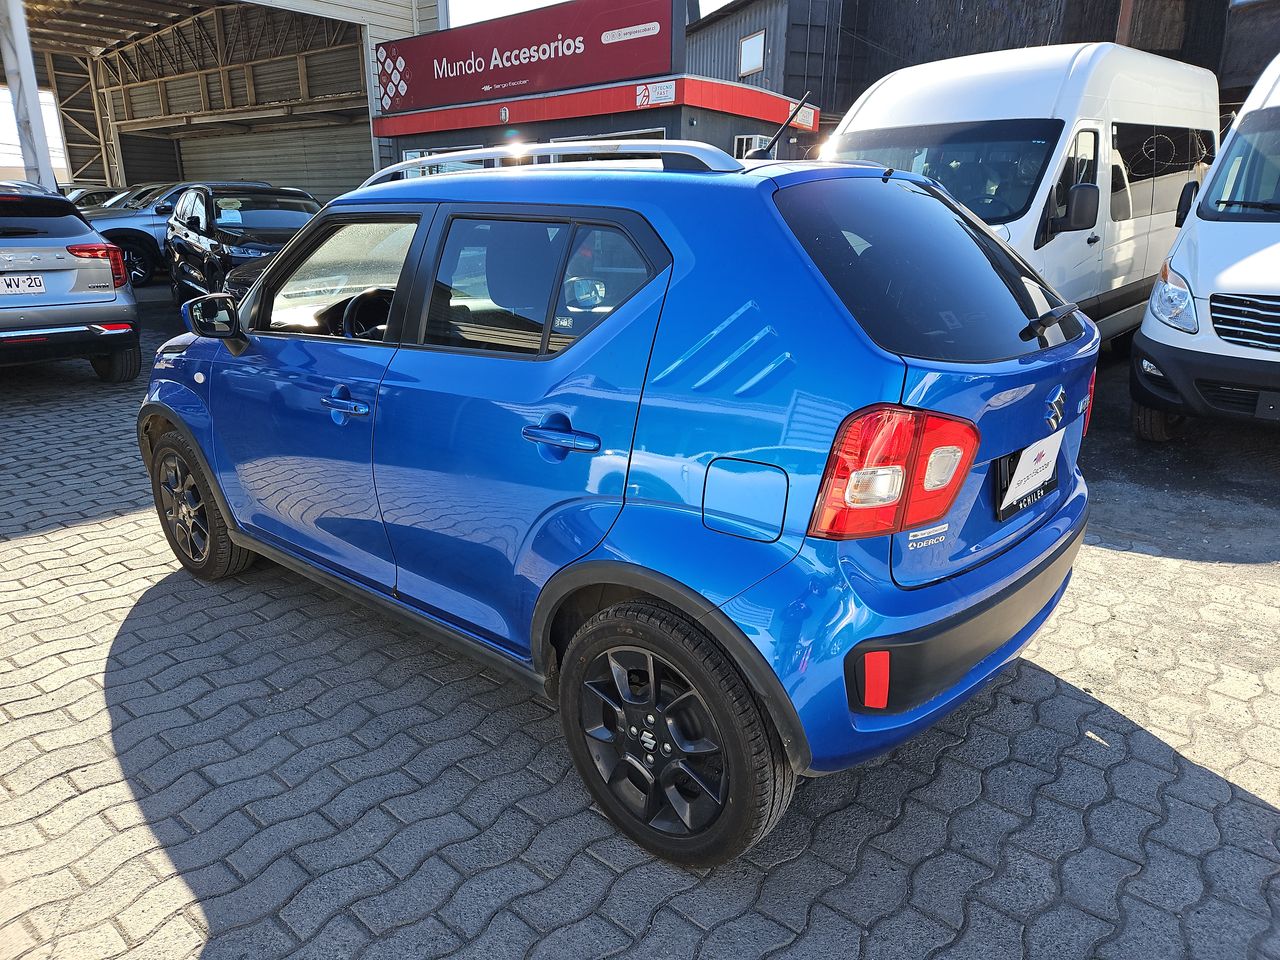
(261, 769)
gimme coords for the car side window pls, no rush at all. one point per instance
(1080, 166)
(603, 271)
(182, 209)
(197, 210)
(495, 283)
(352, 259)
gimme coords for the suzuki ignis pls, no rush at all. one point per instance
(759, 469)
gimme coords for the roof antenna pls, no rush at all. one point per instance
(766, 152)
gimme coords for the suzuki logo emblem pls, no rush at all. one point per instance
(1056, 407)
(648, 741)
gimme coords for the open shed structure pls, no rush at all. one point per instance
(180, 89)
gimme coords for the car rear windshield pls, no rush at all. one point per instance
(920, 275)
(263, 211)
(27, 216)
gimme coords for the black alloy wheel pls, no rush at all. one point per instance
(182, 507)
(653, 740)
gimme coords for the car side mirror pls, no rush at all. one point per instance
(583, 293)
(192, 223)
(164, 209)
(1186, 200)
(215, 315)
(1082, 208)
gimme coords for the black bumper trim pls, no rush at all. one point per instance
(1193, 381)
(38, 346)
(925, 662)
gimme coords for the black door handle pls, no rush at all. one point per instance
(1093, 238)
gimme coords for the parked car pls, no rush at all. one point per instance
(1031, 139)
(240, 279)
(138, 227)
(1210, 341)
(214, 229)
(88, 196)
(853, 418)
(64, 292)
(129, 194)
(22, 186)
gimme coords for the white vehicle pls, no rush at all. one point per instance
(1210, 340)
(1075, 154)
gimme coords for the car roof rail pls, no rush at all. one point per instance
(682, 155)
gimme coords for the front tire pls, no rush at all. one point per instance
(193, 524)
(667, 736)
(119, 367)
(1155, 426)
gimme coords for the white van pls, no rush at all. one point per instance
(1210, 340)
(1075, 154)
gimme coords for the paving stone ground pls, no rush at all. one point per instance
(260, 769)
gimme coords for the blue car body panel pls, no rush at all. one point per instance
(716, 393)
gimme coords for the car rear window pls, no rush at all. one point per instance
(23, 216)
(919, 274)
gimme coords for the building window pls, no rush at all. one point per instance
(751, 54)
(745, 142)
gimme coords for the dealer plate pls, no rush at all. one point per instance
(1025, 476)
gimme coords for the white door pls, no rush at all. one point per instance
(1072, 261)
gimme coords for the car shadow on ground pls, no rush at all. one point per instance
(324, 780)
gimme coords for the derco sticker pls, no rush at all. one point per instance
(918, 539)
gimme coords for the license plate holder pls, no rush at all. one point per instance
(1007, 474)
(21, 284)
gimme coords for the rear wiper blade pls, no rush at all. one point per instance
(21, 232)
(1249, 204)
(1046, 321)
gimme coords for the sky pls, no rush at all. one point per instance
(10, 155)
(471, 11)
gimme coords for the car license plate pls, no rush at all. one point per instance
(1025, 476)
(18, 284)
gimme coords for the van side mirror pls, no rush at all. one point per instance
(215, 316)
(1186, 200)
(1082, 208)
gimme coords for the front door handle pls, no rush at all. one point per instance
(568, 439)
(352, 407)
(1093, 238)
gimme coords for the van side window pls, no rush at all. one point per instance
(1132, 170)
(494, 286)
(1081, 166)
(603, 271)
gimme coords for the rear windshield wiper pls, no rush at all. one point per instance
(1249, 204)
(21, 232)
(1043, 323)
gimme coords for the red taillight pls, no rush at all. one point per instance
(892, 468)
(103, 251)
(1088, 411)
(875, 675)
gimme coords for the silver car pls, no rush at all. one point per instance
(64, 290)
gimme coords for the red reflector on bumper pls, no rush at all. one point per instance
(875, 688)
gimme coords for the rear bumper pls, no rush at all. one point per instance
(77, 332)
(945, 640)
(1199, 383)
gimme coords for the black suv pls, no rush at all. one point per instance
(214, 229)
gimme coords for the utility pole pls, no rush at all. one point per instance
(20, 75)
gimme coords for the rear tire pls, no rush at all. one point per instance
(1155, 426)
(118, 367)
(705, 776)
(138, 261)
(194, 526)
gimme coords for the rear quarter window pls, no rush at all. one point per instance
(22, 216)
(922, 277)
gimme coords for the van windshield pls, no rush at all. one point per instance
(993, 167)
(1246, 185)
(920, 275)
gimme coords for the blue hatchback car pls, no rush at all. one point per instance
(759, 469)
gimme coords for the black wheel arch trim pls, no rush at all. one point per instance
(762, 678)
(153, 408)
(140, 237)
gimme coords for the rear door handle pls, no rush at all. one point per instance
(1093, 238)
(353, 407)
(568, 439)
